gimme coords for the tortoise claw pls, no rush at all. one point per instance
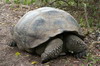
(45, 58)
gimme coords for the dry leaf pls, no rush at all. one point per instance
(17, 53)
(34, 62)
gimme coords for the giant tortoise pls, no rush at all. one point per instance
(49, 32)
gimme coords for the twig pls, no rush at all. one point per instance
(93, 44)
(66, 2)
(52, 2)
(86, 16)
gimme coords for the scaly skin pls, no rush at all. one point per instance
(53, 50)
(76, 46)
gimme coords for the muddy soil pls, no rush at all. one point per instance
(9, 16)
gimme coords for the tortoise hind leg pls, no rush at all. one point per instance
(76, 46)
(12, 43)
(53, 50)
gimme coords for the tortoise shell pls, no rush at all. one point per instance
(38, 26)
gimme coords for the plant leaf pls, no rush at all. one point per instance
(34, 62)
(17, 53)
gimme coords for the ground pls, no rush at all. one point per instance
(12, 56)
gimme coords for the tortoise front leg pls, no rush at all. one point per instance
(76, 46)
(53, 50)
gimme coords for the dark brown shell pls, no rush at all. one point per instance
(37, 26)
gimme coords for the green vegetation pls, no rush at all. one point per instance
(86, 12)
(90, 17)
(17, 54)
(92, 59)
(25, 2)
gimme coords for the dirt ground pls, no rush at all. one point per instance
(9, 56)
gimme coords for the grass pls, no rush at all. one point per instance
(25, 2)
(91, 59)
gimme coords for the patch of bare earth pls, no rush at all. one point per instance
(9, 16)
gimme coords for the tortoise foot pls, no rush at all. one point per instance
(45, 58)
(80, 55)
(53, 50)
(12, 44)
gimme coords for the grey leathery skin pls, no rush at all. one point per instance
(53, 50)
